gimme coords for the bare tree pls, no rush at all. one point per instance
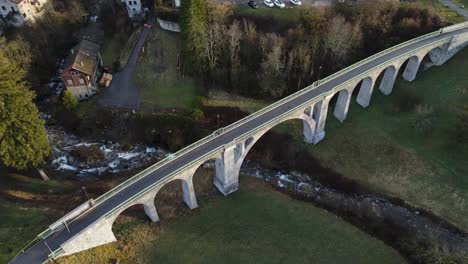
(340, 39)
(213, 44)
(272, 67)
(234, 35)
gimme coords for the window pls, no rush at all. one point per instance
(81, 81)
(134, 2)
(4, 8)
(130, 3)
(70, 82)
(24, 14)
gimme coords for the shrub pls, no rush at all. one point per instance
(69, 101)
(197, 113)
(423, 122)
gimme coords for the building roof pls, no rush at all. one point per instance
(83, 57)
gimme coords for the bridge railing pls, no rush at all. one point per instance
(238, 123)
(258, 113)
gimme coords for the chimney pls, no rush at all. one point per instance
(82, 64)
(72, 51)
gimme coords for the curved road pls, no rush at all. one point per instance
(40, 251)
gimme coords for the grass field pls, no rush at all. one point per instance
(158, 78)
(284, 15)
(112, 47)
(222, 98)
(254, 225)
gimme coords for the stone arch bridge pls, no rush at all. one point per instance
(90, 224)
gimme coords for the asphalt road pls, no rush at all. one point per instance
(122, 92)
(39, 252)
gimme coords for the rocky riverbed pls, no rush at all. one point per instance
(417, 234)
(91, 159)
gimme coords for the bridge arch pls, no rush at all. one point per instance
(309, 126)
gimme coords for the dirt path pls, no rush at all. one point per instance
(122, 91)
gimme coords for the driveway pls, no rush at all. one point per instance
(455, 7)
(122, 92)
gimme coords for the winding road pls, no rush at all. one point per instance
(122, 92)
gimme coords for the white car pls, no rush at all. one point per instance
(279, 3)
(269, 3)
(296, 2)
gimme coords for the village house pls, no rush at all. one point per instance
(82, 69)
(133, 7)
(17, 12)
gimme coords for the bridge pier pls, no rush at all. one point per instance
(227, 178)
(365, 91)
(320, 118)
(190, 198)
(412, 68)
(342, 105)
(150, 210)
(388, 80)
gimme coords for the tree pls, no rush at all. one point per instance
(341, 38)
(234, 35)
(23, 139)
(69, 101)
(194, 25)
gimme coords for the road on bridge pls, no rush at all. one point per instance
(39, 252)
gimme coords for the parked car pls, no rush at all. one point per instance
(296, 2)
(279, 3)
(269, 3)
(253, 4)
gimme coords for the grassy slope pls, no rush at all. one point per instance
(443, 11)
(381, 148)
(462, 2)
(157, 76)
(22, 217)
(254, 225)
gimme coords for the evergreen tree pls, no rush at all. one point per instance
(23, 140)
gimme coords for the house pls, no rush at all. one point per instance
(133, 7)
(17, 12)
(82, 69)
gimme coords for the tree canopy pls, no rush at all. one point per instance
(23, 140)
